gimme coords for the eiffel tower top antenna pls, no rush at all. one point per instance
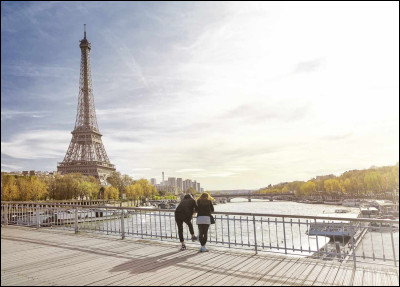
(84, 29)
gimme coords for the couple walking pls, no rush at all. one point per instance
(184, 212)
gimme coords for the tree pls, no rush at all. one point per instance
(285, 189)
(373, 181)
(9, 188)
(115, 179)
(39, 189)
(111, 192)
(88, 189)
(308, 188)
(332, 185)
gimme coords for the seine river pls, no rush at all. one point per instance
(279, 207)
(235, 231)
(239, 231)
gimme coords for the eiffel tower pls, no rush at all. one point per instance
(86, 153)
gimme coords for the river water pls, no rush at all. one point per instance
(266, 233)
(279, 207)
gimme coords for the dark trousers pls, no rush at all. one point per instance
(179, 221)
(203, 230)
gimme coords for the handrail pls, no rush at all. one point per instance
(392, 221)
(292, 234)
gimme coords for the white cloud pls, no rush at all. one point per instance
(37, 144)
(15, 114)
(189, 170)
(240, 169)
(238, 94)
(10, 166)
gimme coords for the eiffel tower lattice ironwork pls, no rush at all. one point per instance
(86, 153)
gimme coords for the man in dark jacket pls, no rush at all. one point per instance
(184, 213)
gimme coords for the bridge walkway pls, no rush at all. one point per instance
(52, 257)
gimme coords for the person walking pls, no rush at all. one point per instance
(204, 209)
(184, 213)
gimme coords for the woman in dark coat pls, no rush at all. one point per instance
(204, 209)
(184, 213)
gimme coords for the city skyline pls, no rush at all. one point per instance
(231, 94)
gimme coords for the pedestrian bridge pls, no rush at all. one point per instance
(48, 256)
(54, 244)
(250, 196)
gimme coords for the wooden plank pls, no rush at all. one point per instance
(330, 277)
(105, 267)
(310, 274)
(198, 263)
(250, 274)
(367, 278)
(192, 269)
(239, 271)
(348, 277)
(295, 273)
(215, 274)
(114, 271)
(149, 247)
(340, 275)
(136, 266)
(358, 275)
(270, 276)
(41, 261)
(47, 257)
(284, 274)
(392, 279)
(205, 269)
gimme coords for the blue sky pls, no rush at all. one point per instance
(235, 95)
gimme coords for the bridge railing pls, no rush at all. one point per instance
(360, 240)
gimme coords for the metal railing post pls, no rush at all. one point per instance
(394, 251)
(122, 224)
(37, 217)
(317, 242)
(159, 213)
(255, 234)
(352, 245)
(76, 220)
(284, 234)
(229, 237)
(6, 215)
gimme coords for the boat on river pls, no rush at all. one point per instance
(367, 211)
(333, 202)
(334, 228)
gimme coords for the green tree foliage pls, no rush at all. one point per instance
(142, 189)
(120, 182)
(332, 185)
(111, 192)
(33, 188)
(355, 183)
(308, 188)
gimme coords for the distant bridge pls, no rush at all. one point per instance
(270, 196)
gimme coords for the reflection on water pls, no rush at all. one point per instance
(235, 231)
(279, 207)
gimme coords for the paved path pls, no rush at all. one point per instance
(53, 257)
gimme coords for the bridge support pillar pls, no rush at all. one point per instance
(249, 199)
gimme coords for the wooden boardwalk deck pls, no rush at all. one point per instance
(50, 257)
